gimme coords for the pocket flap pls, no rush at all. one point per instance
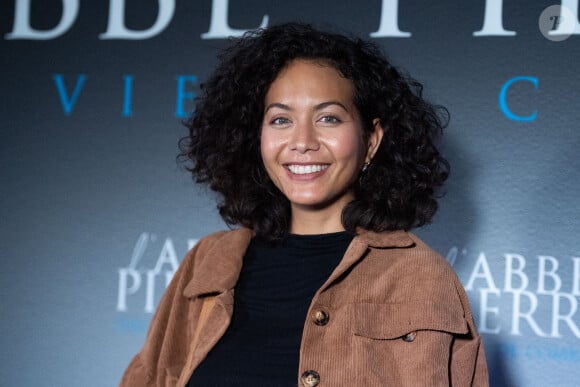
(394, 320)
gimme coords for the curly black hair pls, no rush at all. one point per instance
(397, 191)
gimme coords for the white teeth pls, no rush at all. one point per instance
(305, 169)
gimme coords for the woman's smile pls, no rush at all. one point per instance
(298, 169)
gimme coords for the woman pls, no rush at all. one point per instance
(324, 156)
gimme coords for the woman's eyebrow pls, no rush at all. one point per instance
(277, 105)
(320, 106)
(329, 103)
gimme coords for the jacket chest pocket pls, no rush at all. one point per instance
(404, 344)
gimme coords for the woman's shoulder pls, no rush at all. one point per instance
(402, 245)
(411, 267)
(426, 252)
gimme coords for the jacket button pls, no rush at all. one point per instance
(310, 378)
(320, 317)
(410, 337)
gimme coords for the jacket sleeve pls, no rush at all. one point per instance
(468, 363)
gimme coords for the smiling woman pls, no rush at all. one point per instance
(313, 145)
(325, 158)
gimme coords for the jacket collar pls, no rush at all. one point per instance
(385, 239)
(221, 264)
(360, 245)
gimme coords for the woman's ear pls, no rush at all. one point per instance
(374, 140)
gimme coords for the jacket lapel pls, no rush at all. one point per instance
(361, 244)
(220, 267)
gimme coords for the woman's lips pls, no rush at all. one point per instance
(304, 169)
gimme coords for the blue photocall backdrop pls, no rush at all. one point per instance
(96, 214)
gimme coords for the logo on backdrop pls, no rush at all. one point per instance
(517, 300)
(150, 269)
(558, 23)
(184, 96)
(69, 96)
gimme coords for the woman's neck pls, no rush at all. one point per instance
(316, 221)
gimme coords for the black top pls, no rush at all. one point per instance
(276, 285)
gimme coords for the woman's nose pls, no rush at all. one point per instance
(304, 138)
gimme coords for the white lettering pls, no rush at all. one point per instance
(116, 28)
(191, 243)
(451, 256)
(542, 274)
(219, 27)
(389, 25)
(493, 20)
(556, 316)
(564, 27)
(150, 292)
(23, 30)
(481, 264)
(576, 277)
(125, 290)
(484, 310)
(168, 277)
(517, 314)
(510, 271)
(167, 255)
(132, 277)
(139, 249)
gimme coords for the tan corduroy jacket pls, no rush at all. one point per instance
(393, 313)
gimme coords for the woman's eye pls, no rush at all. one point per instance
(280, 121)
(330, 120)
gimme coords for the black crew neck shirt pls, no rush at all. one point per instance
(271, 299)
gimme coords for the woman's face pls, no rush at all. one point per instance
(312, 138)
